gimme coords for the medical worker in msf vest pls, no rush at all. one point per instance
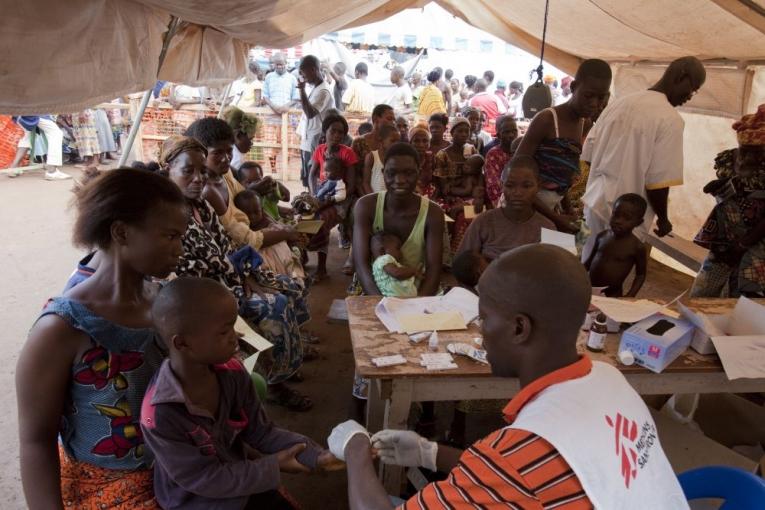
(578, 435)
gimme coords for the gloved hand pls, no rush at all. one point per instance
(340, 436)
(405, 448)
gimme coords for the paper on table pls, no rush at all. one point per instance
(562, 239)
(622, 310)
(457, 299)
(748, 318)
(743, 357)
(308, 226)
(439, 321)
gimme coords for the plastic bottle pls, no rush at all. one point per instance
(433, 342)
(598, 332)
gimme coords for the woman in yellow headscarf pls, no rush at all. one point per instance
(431, 98)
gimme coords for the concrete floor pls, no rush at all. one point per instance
(38, 257)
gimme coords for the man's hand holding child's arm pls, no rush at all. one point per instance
(288, 462)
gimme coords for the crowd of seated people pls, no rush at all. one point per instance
(130, 386)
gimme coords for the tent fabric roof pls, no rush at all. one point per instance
(63, 56)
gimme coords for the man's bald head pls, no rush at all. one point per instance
(682, 79)
(480, 85)
(183, 305)
(545, 282)
(533, 300)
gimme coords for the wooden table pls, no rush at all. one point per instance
(393, 389)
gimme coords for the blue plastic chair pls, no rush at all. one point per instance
(739, 489)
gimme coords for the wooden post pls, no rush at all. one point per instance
(285, 145)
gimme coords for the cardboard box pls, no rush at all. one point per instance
(657, 341)
(747, 318)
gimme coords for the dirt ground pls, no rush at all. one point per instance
(38, 257)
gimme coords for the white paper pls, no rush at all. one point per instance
(562, 239)
(622, 310)
(250, 336)
(249, 363)
(388, 361)
(748, 318)
(701, 320)
(457, 299)
(435, 358)
(743, 357)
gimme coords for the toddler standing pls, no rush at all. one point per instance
(617, 250)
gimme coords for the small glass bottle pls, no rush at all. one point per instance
(598, 332)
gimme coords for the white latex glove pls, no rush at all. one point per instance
(340, 436)
(405, 448)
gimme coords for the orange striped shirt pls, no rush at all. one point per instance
(511, 468)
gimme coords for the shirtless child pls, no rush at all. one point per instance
(617, 250)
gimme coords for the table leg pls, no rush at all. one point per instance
(396, 416)
(375, 406)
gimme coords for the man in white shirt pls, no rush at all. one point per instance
(401, 101)
(315, 105)
(515, 110)
(360, 96)
(637, 147)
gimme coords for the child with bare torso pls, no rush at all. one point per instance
(617, 250)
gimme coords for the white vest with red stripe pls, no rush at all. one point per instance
(602, 428)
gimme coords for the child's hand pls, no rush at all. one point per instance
(287, 461)
(328, 462)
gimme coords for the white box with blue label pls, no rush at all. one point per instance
(656, 341)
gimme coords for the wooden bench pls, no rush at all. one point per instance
(686, 252)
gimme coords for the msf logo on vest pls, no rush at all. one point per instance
(632, 443)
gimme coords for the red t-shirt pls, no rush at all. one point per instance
(490, 104)
(345, 153)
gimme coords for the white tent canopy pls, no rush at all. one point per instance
(63, 56)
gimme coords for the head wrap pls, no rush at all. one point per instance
(566, 82)
(458, 121)
(548, 79)
(750, 130)
(420, 127)
(175, 145)
(240, 121)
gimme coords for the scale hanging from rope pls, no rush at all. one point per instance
(538, 95)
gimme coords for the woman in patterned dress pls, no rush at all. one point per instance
(85, 367)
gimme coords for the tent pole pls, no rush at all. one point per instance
(172, 28)
(224, 99)
(134, 128)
